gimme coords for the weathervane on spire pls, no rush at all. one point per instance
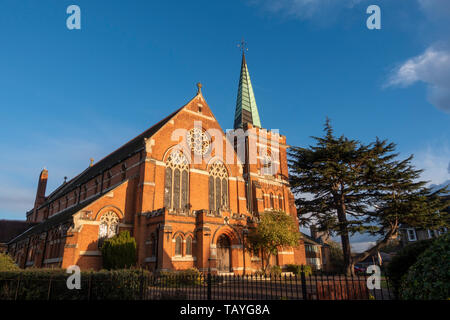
(243, 46)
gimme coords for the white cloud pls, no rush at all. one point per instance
(433, 68)
(358, 247)
(306, 9)
(434, 159)
(435, 9)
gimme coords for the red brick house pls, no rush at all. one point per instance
(186, 190)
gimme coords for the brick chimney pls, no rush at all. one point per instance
(42, 185)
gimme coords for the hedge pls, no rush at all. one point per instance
(402, 261)
(298, 268)
(43, 284)
(429, 277)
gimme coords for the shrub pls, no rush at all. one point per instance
(34, 284)
(401, 262)
(7, 263)
(188, 277)
(297, 269)
(429, 277)
(275, 271)
(119, 252)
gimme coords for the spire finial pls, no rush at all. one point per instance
(92, 162)
(243, 46)
(199, 88)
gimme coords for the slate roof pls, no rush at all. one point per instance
(11, 228)
(310, 239)
(55, 220)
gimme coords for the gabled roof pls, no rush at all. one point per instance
(310, 239)
(246, 108)
(128, 149)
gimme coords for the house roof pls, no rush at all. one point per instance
(310, 239)
(11, 228)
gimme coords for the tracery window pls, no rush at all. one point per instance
(109, 223)
(176, 193)
(198, 141)
(218, 186)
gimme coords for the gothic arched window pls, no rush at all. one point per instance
(176, 185)
(218, 187)
(153, 245)
(178, 246)
(189, 246)
(109, 225)
(280, 202)
(272, 204)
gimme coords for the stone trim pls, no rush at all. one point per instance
(90, 253)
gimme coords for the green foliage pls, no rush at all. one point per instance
(336, 258)
(429, 277)
(275, 229)
(7, 263)
(402, 261)
(34, 284)
(119, 252)
(361, 188)
(275, 271)
(298, 268)
(188, 277)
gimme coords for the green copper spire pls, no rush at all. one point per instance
(246, 108)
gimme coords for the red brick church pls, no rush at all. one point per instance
(185, 189)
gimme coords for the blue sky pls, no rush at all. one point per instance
(69, 95)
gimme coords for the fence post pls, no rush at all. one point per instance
(303, 278)
(208, 282)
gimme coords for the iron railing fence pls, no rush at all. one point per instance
(207, 286)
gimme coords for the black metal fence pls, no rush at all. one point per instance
(201, 287)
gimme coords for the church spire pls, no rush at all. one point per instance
(246, 108)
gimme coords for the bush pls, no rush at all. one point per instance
(188, 277)
(119, 252)
(429, 277)
(275, 271)
(7, 263)
(401, 262)
(34, 284)
(297, 269)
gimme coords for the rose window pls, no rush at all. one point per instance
(198, 141)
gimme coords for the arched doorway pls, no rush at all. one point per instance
(223, 254)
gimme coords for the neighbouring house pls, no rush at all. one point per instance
(410, 235)
(317, 250)
(186, 190)
(10, 229)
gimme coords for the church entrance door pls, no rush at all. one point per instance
(223, 254)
